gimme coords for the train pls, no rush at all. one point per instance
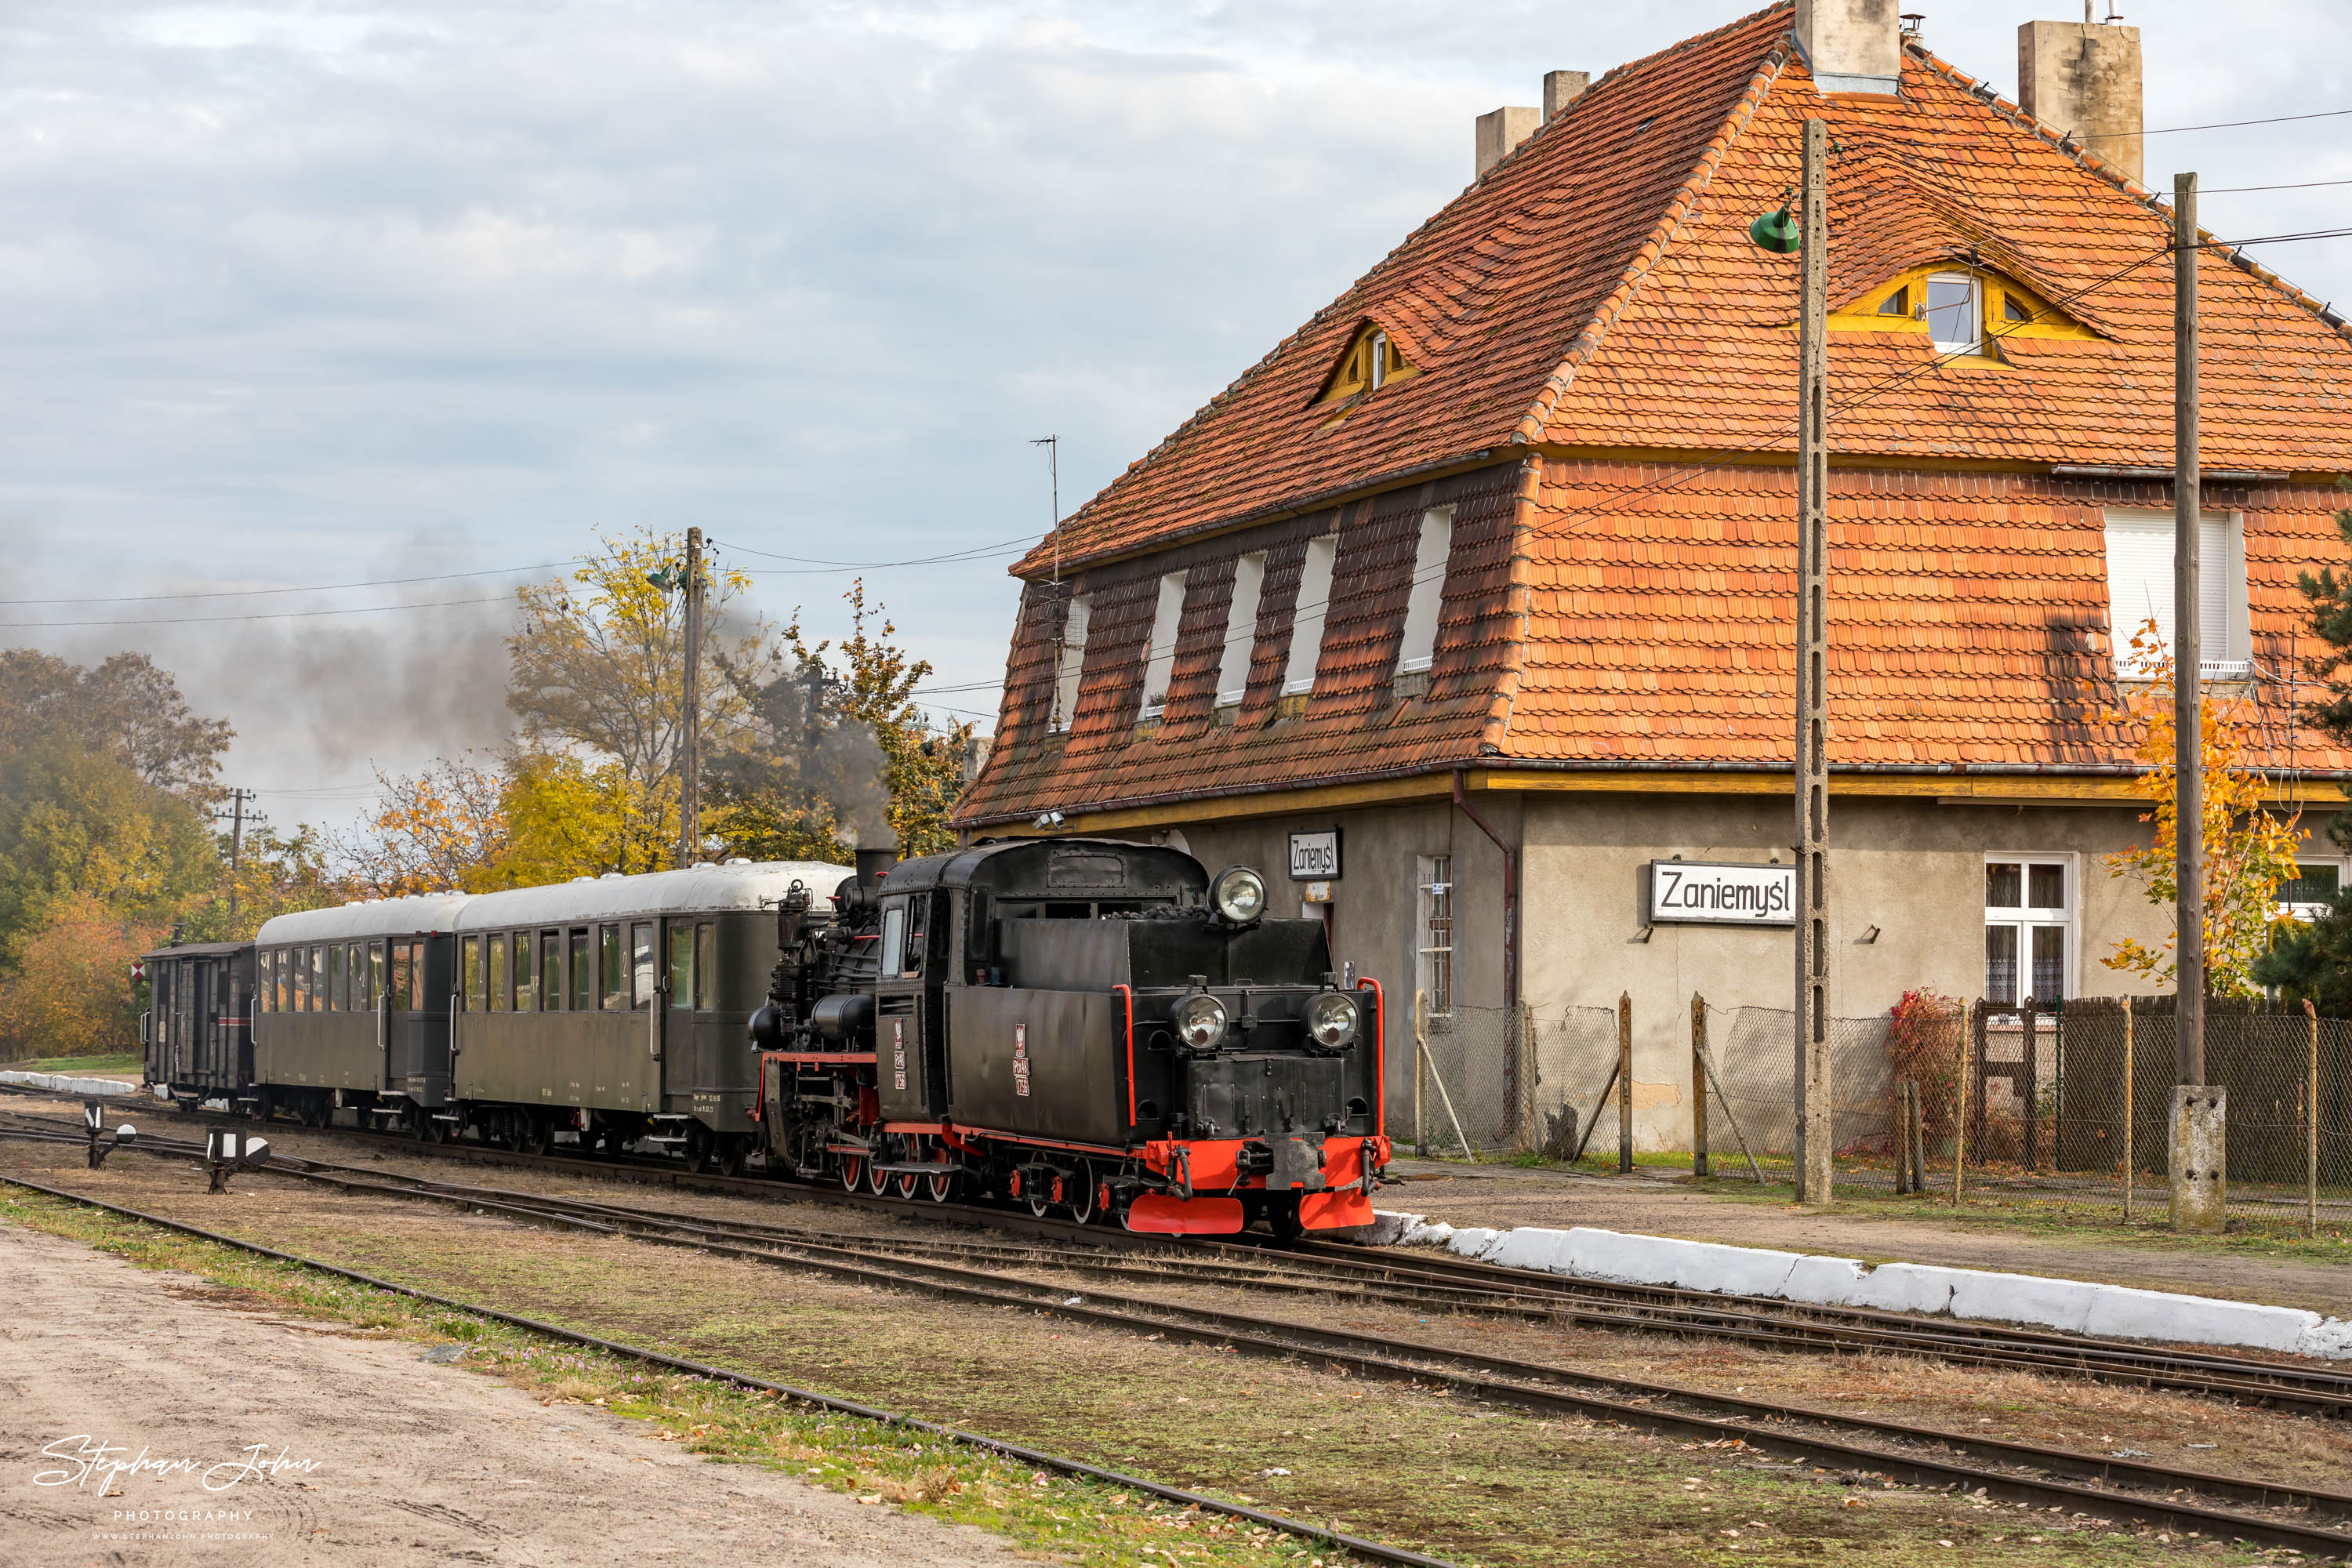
(1090, 1028)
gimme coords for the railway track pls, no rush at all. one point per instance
(1058, 1276)
(1438, 1280)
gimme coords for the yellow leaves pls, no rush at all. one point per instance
(431, 833)
(2249, 851)
(69, 993)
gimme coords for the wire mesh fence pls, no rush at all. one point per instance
(1749, 1121)
(1499, 1081)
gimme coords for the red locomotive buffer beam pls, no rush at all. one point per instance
(1204, 1173)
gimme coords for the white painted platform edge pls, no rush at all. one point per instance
(2072, 1306)
(69, 1085)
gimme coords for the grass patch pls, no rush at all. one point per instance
(1075, 1521)
(124, 1061)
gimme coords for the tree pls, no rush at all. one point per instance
(124, 708)
(804, 781)
(275, 876)
(2248, 850)
(566, 819)
(599, 666)
(429, 833)
(921, 767)
(70, 992)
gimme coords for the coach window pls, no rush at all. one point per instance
(494, 957)
(367, 979)
(893, 936)
(681, 964)
(525, 998)
(582, 976)
(282, 980)
(397, 993)
(551, 970)
(641, 964)
(706, 967)
(338, 988)
(470, 969)
(609, 971)
(363, 994)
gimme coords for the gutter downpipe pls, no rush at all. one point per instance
(1510, 896)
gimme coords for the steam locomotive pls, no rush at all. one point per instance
(1086, 1026)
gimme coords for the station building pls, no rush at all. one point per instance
(1467, 610)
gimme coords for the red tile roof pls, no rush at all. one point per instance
(1597, 293)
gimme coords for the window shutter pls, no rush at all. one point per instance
(2139, 582)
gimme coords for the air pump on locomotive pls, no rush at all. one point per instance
(1088, 1027)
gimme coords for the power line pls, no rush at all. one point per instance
(971, 553)
(318, 588)
(2299, 185)
(272, 616)
(2217, 125)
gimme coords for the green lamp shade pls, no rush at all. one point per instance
(1777, 231)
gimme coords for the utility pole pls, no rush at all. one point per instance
(1052, 444)
(2198, 1154)
(689, 833)
(1814, 1140)
(236, 798)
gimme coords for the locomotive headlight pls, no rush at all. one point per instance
(1201, 1021)
(1239, 894)
(1331, 1019)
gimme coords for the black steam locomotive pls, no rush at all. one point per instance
(1083, 1025)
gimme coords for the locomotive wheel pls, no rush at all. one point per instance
(940, 1188)
(877, 1182)
(852, 1172)
(906, 1184)
(1040, 1206)
(1080, 1191)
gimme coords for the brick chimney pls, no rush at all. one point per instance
(1500, 130)
(1851, 45)
(2082, 78)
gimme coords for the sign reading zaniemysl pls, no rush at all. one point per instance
(1703, 892)
(1314, 856)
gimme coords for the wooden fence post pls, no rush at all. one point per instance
(1530, 1134)
(1420, 1072)
(2129, 1175)
(1699, 1085)
(1918, 1142)
(1960, 1111)
(1624, 1083)
(2311, 1119)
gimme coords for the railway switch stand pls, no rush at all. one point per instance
(104, 1140)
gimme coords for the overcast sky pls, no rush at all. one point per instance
(313, 294)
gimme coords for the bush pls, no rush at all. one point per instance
(70, 993)
(1924, 1045)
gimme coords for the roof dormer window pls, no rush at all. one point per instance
(1897, 304)
(1955, 323)
(1371, 361)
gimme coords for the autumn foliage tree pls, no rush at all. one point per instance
(68, 991)
(2249, 851)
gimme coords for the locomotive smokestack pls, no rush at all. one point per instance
(872, 863)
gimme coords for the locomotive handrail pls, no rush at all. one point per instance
(1127, 994)
(1380, 1054)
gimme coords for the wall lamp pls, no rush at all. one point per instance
(1049, 820)
(1868, 937)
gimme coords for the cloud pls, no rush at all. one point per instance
(292, 289)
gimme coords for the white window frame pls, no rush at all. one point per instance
(1241, 629)
(1974, 342)
(1160, 653)
(1417, 650)
(2282, 910)
(1069, 663)
(1310, 615)
(1432, 899)
(2134, 538)
(1379, 370)
(2026, 916)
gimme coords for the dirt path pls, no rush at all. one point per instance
(1503, 1196)
(390, 1460)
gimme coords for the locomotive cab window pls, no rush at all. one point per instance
(918, 933)
(894, 937)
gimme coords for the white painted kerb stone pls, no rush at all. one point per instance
(69, 1085)
(2073, 1306)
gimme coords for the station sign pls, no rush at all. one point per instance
(1709, 892)
(1315, 856)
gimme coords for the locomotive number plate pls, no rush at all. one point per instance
(1021, 1059)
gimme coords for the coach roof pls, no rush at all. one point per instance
(372, 916)
(700, 889)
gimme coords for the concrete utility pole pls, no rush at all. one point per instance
(1814, 1140)
(2199, 1150)
(689, 834)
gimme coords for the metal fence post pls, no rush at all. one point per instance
(1624, 1083)
(1420, 1073)
(2311, 1119)
(1699, 1085)
(2129, 1114)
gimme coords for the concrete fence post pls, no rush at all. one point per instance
(2200, 1157)
(1624, 1083)
(1699, 1085)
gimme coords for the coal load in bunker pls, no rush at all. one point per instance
(1088, 1027)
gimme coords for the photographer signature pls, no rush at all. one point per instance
(86, 1458)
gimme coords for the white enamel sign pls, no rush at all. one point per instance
(1698, 892)
(1315, 856)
